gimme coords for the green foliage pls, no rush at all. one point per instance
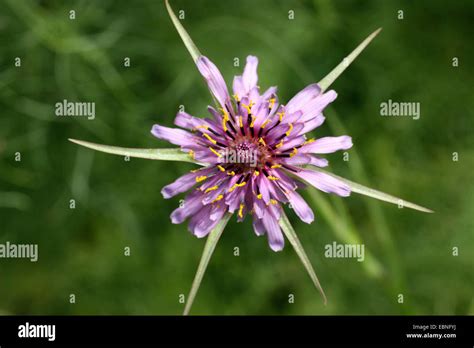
(118, 202)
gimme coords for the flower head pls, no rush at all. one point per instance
(255, 151)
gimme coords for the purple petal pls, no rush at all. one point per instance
(318, 162)
(302, 98)
(184, 183)
(269, 93)
(300, 207)
(312, 124)
(192, 203)
(214, 80)
(258, 227)
(302, 159)
(250, 76)
(328, 145)
(205, 220)
(315, 106)
(174, 136)
(275, 237)
(238, 87)
(324, 182)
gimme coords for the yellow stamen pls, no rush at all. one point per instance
(273, 178)
(215, 152)
(240, 122)
(280, 144)
(259, 196)
(309, 141)
(191, 154)
(224, 112)
(262, 141)
(295, 151)
(221, 168)
(264, 124)
(201, 178)
(272, 201)
(256, 173)
(231, 173)
(272, 102)
(288, 132)
(247, 107)
(202, 126)
(253, 121)
(236, 97)
(237, 185)
(208, 137)
(241, 215)
(224, 126)
(276, 166)
(213, 188)
(280, 115)
(218, 198)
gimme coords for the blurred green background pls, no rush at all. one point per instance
(118, 203)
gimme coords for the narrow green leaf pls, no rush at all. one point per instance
(334, 74)
(367, 191)
(154, 154)
(295, 242)
(188, 42)
(211, 243)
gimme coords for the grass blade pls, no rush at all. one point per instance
(338, 70)
(295, 242)
(154, 154)
(367, 191)
(211, 243)
(188, 42)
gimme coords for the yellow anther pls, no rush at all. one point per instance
(253, 121)
(288, 132)
(231, 173)
(213, 188)
(273, 178)
(264, 124)
(280, 115)
(191, 154)
(221, 168)
(201, 178)
(256, 173)
(272, 102)
(272, 201)
(218, 198)
(224, 112)
(259, 196)
(309, 141)
(295, 151)
(276, 166)
(215, 152)
(280, 144)
(261, 141)
(237, 185)
(224, 120)
(207, 136)
(236, 97)
(202, 126)
(240, 122)
(247, 107)
(241, 209)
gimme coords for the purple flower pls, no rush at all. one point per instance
(255, 152)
